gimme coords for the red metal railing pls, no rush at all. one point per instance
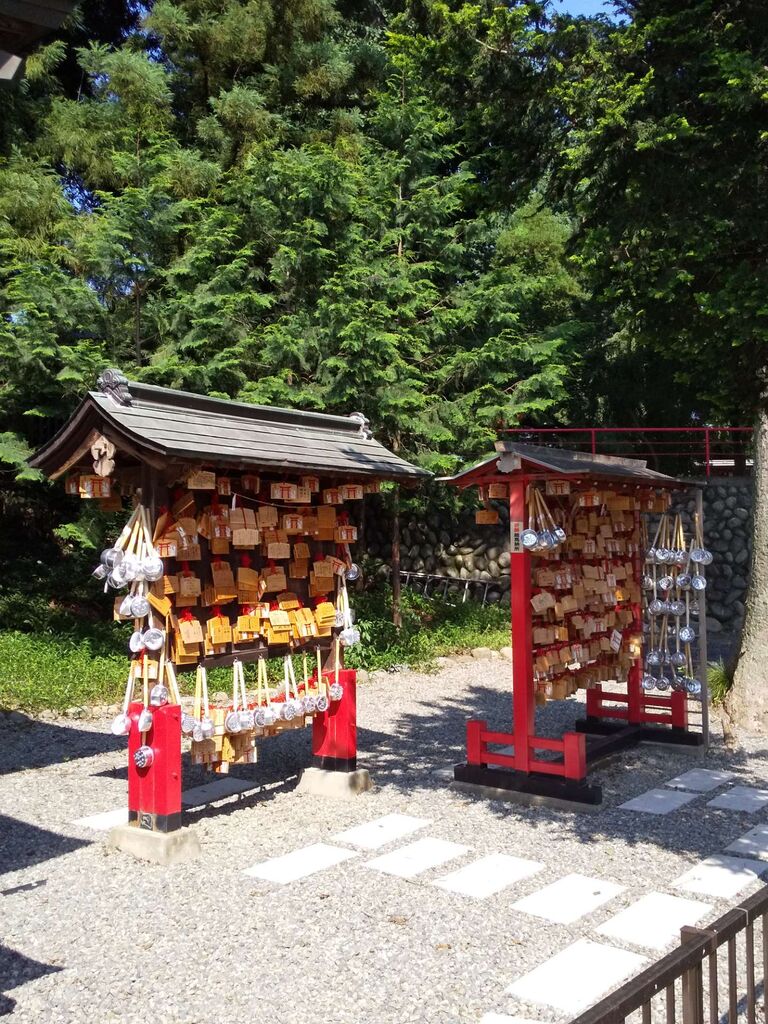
(719, 451)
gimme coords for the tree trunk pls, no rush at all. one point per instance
(397, 618)
(747, 702)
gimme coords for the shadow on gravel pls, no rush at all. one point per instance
(26, 743)
(22, 845)
(435, 737)
(17, 969)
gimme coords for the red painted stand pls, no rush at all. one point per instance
(334, 733)
(619, 719)
(154, 792)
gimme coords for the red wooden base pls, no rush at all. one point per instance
(154, 792)
(334, 733)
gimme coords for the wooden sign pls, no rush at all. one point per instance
(191, 631)
(251, 483)
(266, 516)
(278, 550)
(312, 483)
(93, 486)
(345, 534)
(223, 485)
(202, 480)
(332, 496)
(351, 492)
(283, 491)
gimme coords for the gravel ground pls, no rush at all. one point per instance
(88, 934)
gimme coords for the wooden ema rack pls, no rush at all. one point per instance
(555, 769)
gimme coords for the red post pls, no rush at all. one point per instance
(334, 733)
(707, 466)
(679, 704)
(575, 755)
(154, 791)
(523, 703)
(475, 746)
(593, 434)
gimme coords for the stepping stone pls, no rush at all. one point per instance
(105, 820)
(752, 844)
(741, 798)
(701, 780)
(413, 859)
(443, 774)
(658, 801)
(720, 876)
(488, 875)
(577, 976)
(503, 1018)
(568, 899)
(218, 789)
(378, 833)
(299, 864)
(654, 920)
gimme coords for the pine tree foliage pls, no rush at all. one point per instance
(282, 202)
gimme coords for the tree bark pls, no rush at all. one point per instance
(747, 702)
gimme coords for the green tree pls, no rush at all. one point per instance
(662, 155)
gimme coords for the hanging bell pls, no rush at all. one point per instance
(139, 606)
(270, 717)
(702, 556)
(683, 580)
(309, 704)
(121, 724)
(152, 567)
(158, 695)
(648, 682)
(529, 539)
(145, 720)
(188, 724)
(647, 583)
(153, 638)
(232, 722)
(687, 634)
(699, 582)
(666, 583)
(662, 684)
(99, 572)
(110, 557)
(322, 703)
(247, 720)
(693, 686)
(336, 691)
(352, 573)
(677, 658)
(130, 568)
(136, 641)
(654, 657)
(207, 726)
(144, 756)
(350, 636)
(288, 711)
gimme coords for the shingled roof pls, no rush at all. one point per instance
(538, 459)
(161, 425)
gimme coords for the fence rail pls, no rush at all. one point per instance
(693, 451)
(692, 984)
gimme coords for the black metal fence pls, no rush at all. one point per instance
(700, 982)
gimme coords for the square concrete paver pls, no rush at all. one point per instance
(218, 789)
(577, 976)
(701, 780)
(658, 801)
(720, 876)
(381, 831)
(413, 859)
(741, 798)
(568, 899)
(105, 820)
(752, 844)
(488, 875)
(300, 863)
(654, 921)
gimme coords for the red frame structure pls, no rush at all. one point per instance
(617, 719)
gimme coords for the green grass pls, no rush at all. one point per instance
(719, 680)
(67, 662)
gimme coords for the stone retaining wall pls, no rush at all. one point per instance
(457, 547)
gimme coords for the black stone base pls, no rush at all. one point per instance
(334, 764)
(155, 822)
(553, 787)
(605, 738)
